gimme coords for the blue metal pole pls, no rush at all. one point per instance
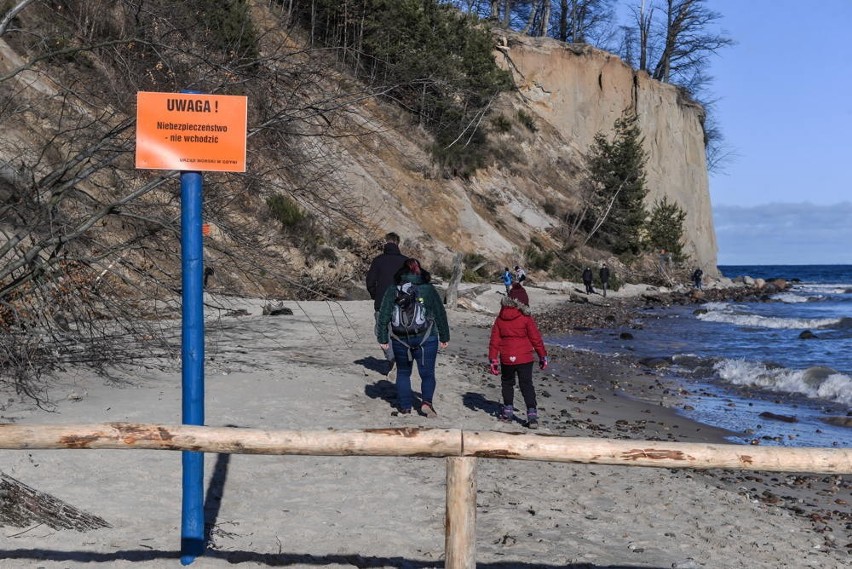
(192, 351)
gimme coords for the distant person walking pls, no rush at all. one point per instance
(520, 274)
(380, 277)
(604, 275)
(697, 275)
(408, 337)
(507, 279)
(587, 280)
(514, 339)
(665, 261)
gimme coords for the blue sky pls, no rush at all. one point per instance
(784, 105)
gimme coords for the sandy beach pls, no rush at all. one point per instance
(320, 368)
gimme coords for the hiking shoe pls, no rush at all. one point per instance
(405, 411)
(507, 414)
(428, 410)
(532, 418)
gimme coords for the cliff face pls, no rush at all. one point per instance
(375, 165)
(581, 91)
(572, 93)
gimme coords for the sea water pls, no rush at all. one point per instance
(741, 359)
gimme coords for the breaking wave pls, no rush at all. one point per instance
(817, 382)
(792, 298)
(728, 315)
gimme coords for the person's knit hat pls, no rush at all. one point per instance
(519, 293)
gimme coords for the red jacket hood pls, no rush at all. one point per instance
(511, 303)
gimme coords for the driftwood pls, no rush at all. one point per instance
(22, 506)
(270, 310)
(470, 304)
(455, 279)
(467, 299)
(475, 291)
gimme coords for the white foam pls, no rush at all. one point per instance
(791, 298)
(716, 306)
(757, 321)
(569, 346)
(816, 383)
(820, 290)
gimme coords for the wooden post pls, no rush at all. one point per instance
(460, 525)
(455, 279)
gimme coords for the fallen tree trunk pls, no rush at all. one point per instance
(475, 291)
(22, 506)
(453, 291)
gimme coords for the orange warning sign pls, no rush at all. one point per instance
(182, 131)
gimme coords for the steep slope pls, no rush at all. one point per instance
(581, 91)
(377, 174)
(573, 93)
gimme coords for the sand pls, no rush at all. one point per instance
(320, 368)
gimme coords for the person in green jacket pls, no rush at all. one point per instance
(418, 341)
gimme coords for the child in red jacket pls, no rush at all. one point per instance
(514, 338)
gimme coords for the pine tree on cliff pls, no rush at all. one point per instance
(615, 214)
(665, 228)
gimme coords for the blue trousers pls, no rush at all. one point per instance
(425, 356)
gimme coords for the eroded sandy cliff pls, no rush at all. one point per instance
(582, 91)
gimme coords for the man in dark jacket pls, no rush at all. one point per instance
(383, 268)
(381, 274)
(587, 280)
(696, 277)
(604, 274)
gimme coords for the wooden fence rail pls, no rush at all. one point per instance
(462, 448)
(426, 442)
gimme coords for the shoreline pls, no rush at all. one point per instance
(320, 368)
(823, 504)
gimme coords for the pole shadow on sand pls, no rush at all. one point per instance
(278, 559)
(215, 492)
